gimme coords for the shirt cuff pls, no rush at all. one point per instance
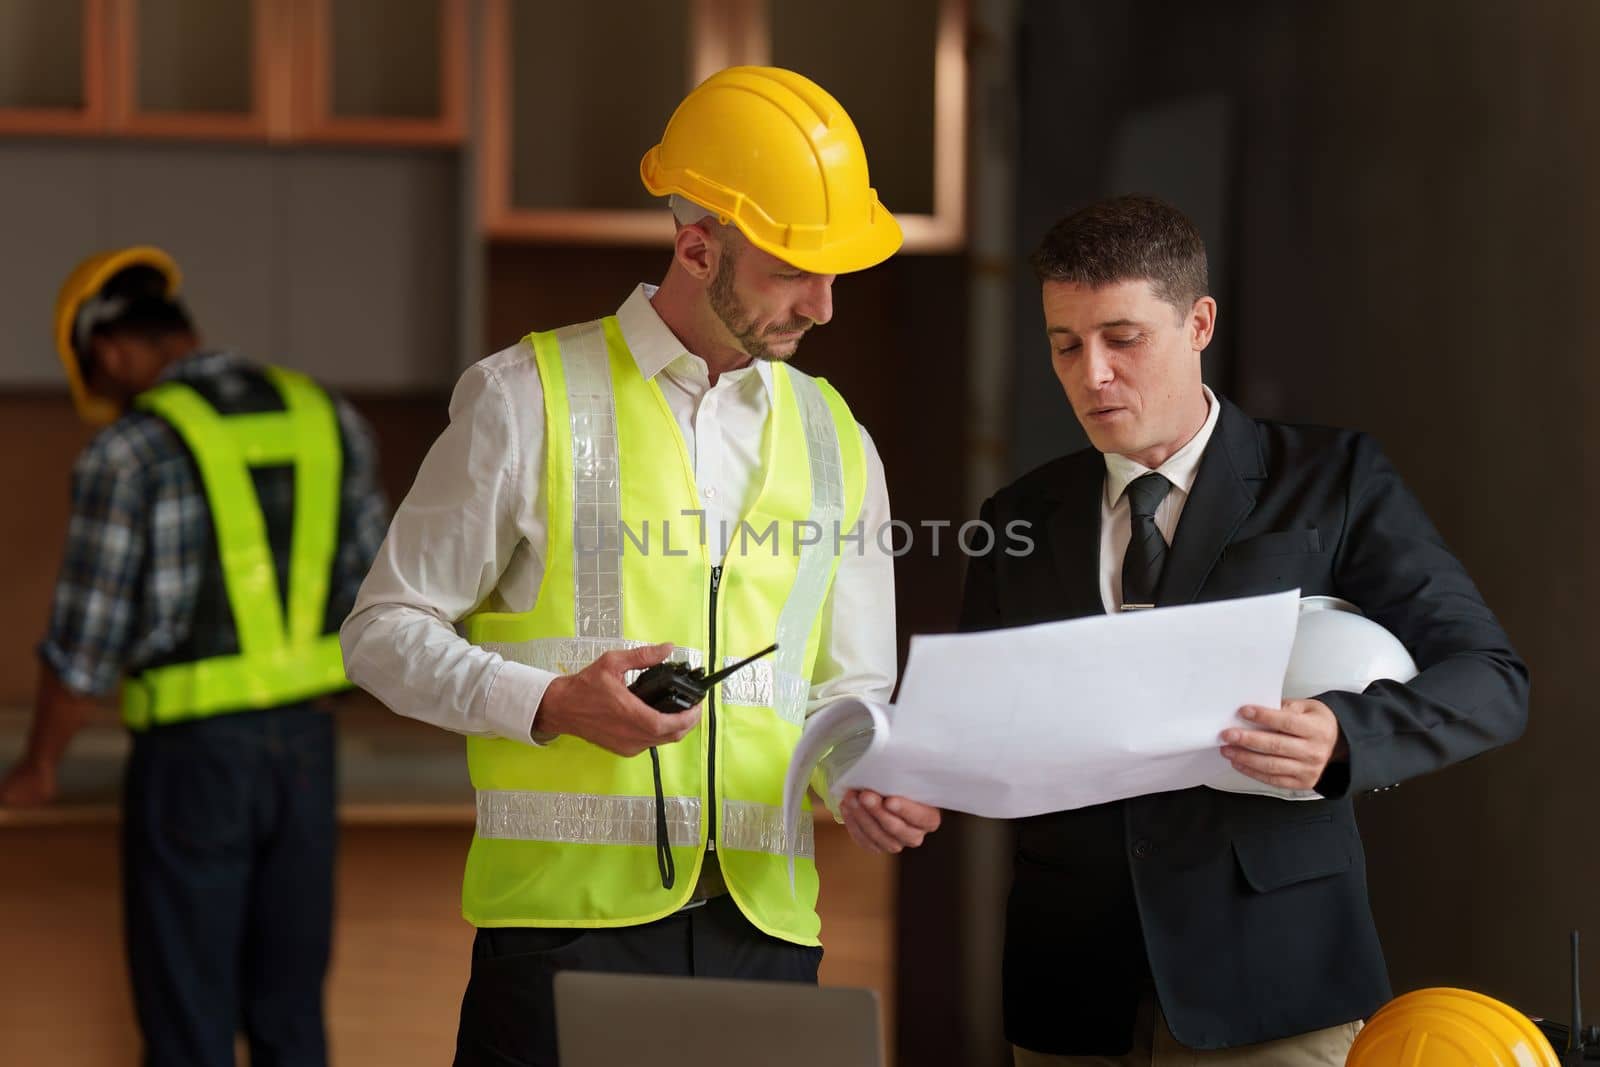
(86, 680)
(1338, 777)
(513, 701)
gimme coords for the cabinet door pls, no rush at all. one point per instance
(574, 95)
(900, 71)
(382, 71)
(52, 71)
(200, 68)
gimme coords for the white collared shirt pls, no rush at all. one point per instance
(1116, 525)
(472, 532)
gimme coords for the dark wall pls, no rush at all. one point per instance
(1420, 230)
(1412, 230)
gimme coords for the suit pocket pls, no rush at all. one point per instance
(1277, 543)
(1296, 852)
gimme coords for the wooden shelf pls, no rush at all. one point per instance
(724, 33)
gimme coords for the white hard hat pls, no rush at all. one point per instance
(1335, 648)
(1338, 648)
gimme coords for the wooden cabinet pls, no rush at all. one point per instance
(354, 71)
(52, 78)
(571, 94)
(575, 94)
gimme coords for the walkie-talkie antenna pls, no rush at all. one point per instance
(1575, 1035)
(725, 672)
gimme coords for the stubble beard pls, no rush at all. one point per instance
(725, 304)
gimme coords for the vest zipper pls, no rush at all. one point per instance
(711, 720)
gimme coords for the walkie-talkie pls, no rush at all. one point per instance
(671, 688)
(675, 687)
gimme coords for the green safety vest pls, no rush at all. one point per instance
(566, 831)
(280, 660)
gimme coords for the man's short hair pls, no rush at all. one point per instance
(1127, 238)
(134, 303)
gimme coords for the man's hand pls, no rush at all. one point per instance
(595, 704)
(28, 785)
(886, 825)
(1292, 747)
(58, 714)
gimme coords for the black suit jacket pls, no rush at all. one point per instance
(1249, 914)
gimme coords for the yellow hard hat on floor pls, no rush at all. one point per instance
(770, 151)
(1450, 1028)
(75, 314)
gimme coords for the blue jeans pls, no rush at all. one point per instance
(228, 841)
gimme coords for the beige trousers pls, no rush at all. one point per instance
(1154, 1046)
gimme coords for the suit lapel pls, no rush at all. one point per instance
(1224, 493)
(1074, 532)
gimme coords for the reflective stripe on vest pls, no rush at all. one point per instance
(587, 819)
(566, 831)
(283, 656)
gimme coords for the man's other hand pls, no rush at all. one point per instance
(886, 824)
(1291, 746)
(27, 785)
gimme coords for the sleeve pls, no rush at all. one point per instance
(475, 501)
(858, 653)
(363, 509)
(95, 610)
(1472, 690)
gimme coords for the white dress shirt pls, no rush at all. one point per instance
(472, 532)
(1116, 526)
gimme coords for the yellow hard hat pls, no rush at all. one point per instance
(82, 287)
(770, 151)
(1450, 1028)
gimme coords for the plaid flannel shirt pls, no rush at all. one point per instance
(140, 533)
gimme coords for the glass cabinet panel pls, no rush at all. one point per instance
(882, 71)
(577, 128)
(52, 66)
(194, 56)
(384, 58)
(41, 54)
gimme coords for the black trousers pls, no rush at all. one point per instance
(508, 1013)
(228, 849)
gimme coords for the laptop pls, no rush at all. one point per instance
(620, 1020)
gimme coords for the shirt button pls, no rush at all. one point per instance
(1143, 849)
(711, 494)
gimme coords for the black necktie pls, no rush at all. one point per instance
(1147, 549)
